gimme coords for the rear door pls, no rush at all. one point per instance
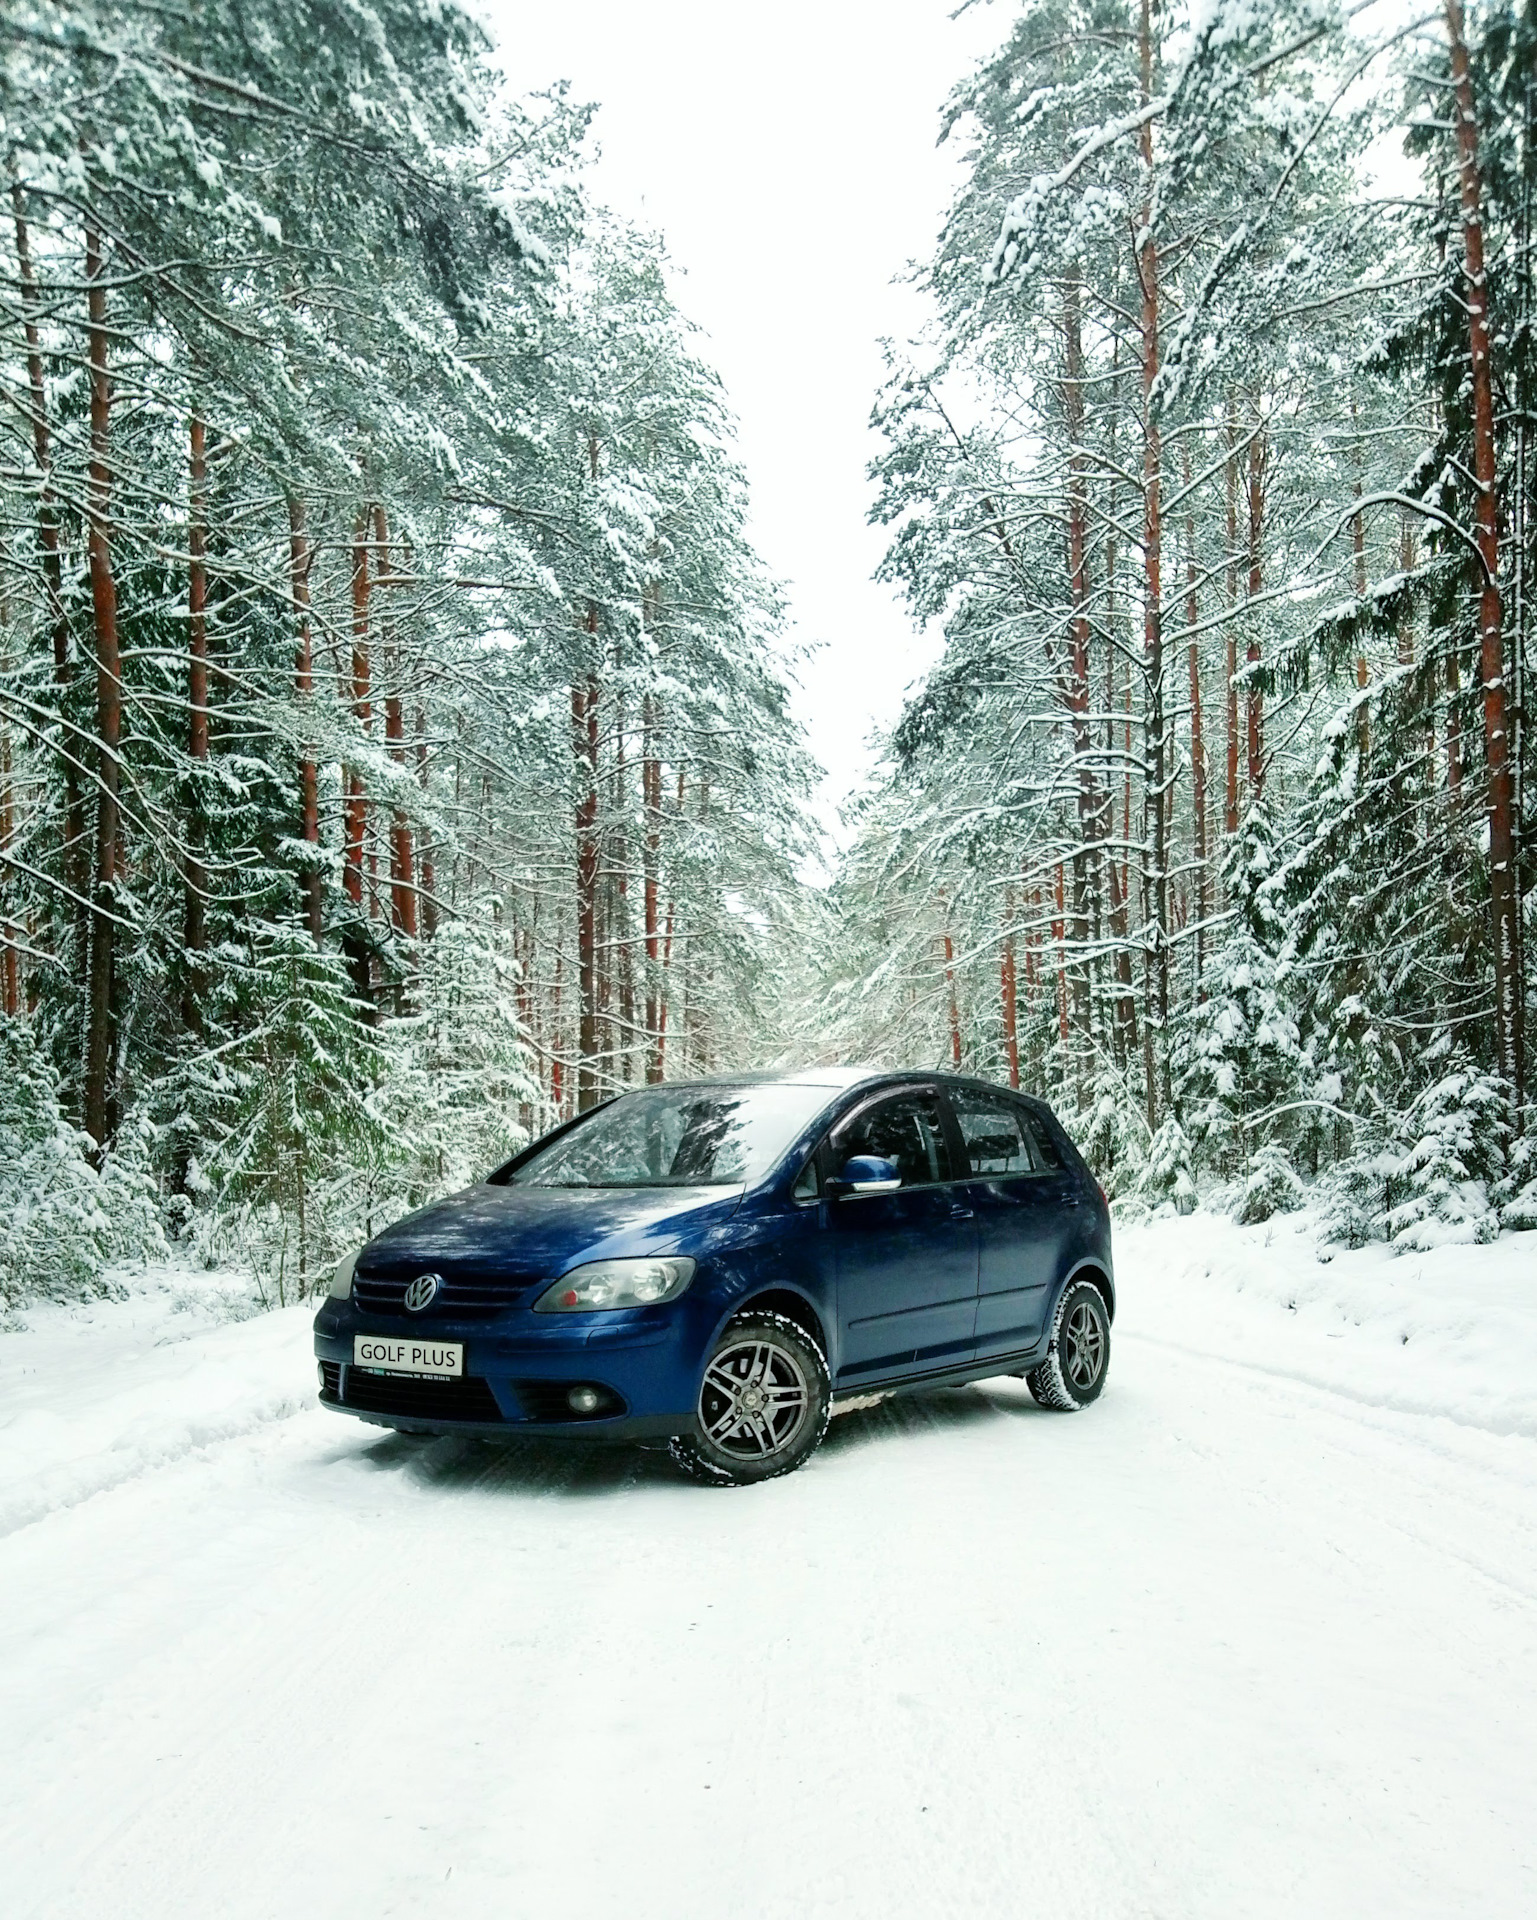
(907, 1261)
(1025, 1203)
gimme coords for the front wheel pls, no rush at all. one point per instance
(1073, 1372)
(764, 1404)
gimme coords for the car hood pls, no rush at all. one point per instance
(545, 1230)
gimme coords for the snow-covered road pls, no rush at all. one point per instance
(1256, 1635)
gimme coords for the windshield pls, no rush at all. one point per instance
(678, 1137)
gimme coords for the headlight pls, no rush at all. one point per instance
(605, 1284)
(341, 1286)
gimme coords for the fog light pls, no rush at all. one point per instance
(584, 1399)
(320, 1370)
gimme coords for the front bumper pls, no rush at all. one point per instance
(625, 1430)
(516, 1367)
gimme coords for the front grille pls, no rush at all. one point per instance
(467, 1398)
(468, 1296)
(330, 1379)
(546, 1400)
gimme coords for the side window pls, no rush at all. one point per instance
(807, 1185)
(993, 1132)
(1046, 1149)
(908, 1131)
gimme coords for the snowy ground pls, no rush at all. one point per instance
(1255, 1636)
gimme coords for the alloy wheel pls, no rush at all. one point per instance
(755, 1399)
(1083, 1346)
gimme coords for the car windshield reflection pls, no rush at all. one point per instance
(678, 1137)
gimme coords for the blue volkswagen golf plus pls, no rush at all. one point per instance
(716, 1264)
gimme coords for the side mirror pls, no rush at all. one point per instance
(864, 1175)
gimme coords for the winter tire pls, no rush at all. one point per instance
(764, 1404)
(1078, 1356)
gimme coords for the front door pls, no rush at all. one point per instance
(907, 1261)
(1025, 1202)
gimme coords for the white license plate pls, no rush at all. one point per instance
(430, 1359)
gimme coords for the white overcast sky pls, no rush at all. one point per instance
(788, 155)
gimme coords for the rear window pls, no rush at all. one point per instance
(1046, 1148)
(992, 1129)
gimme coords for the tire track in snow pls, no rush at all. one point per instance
(67, 1483)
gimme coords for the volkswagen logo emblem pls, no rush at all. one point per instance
(422, 1291)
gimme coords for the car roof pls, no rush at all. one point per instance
(844, 1079)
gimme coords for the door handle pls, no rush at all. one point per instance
(962, 1213)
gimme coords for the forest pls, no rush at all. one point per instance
(396, 744)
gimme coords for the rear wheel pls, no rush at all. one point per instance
(1073, 1372)
(763, 1403)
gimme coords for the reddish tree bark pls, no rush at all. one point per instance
(1504, 903)
(109, 712)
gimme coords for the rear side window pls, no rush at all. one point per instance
(1046, 1149)
(993, 1132)
(908, 1131)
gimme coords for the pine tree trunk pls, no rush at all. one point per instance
(1152, 558)
(1093, 829)
(651, 801)
(1059, 938)
(666, 971)
(76, 853)
(10, 968)
(355, 809)
(402, 841)
(1010, 992)
(1504, 903)
(1406, 567)
(197, 721)
(622, 951)
(953, 1004)
(1230, 809)
(1256, 702)
(429, 873)
(109, 715)
(1124, 1032)
(557, 1070)
(304, 684)
(1197, 745)
(584, 745)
